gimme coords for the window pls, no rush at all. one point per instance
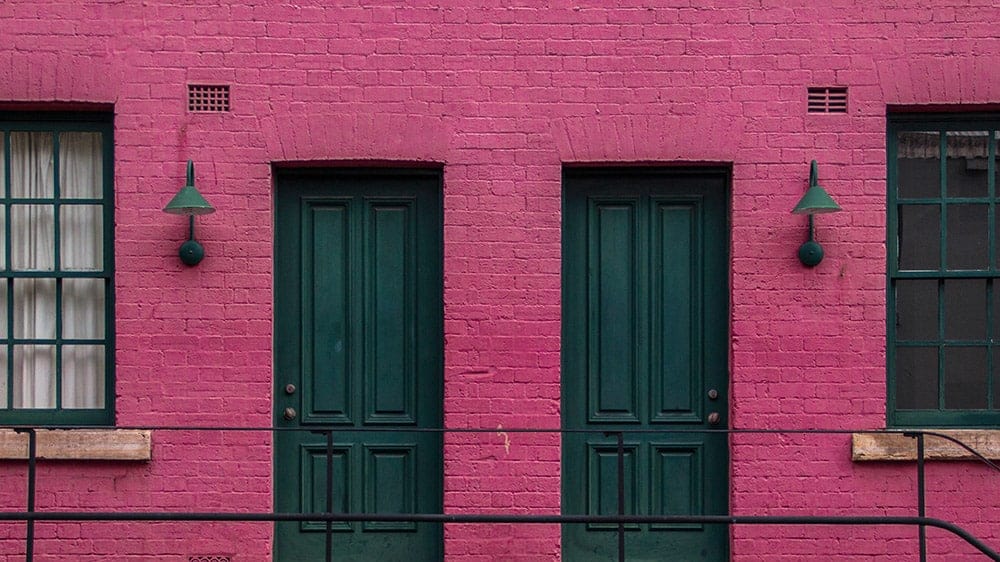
(944, 271)
(56, 325)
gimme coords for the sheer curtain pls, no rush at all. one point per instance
(33, 248)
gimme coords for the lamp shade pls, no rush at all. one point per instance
(816, 201)
(188, 200)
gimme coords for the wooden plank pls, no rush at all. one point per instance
(898, 447)
(79, 444)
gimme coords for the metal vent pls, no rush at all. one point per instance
(828, 100)
(208, 99)
(209, 559)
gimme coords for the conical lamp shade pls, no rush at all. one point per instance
(188, 202)
(816, 201)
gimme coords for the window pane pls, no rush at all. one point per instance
(968, 232)
(31, 164)
(918, 159)
(32, 238)
(965, 309)
(3, 314)
(83, 308)
(34, 376)
(83, 376)
(80, 165)
(916, 378)
(3, 235)
(967, 159)
(3, 376)
(35, 308)
(81, 244)
(917, 309)
(919, 237)
(996, 379)
(965, 377)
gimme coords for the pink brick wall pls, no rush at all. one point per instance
(503, 94)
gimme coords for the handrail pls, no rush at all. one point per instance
(30, 516)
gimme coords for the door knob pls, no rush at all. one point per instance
(713, 418)
(290, 414)
(289, 388)
(713, 394)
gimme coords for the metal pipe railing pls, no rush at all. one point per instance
(921, 521)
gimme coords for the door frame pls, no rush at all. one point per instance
(723, 170)
(283, 175)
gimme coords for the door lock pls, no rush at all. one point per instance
(713, 394)
(714, 418)
(290, 414)
(289, 388)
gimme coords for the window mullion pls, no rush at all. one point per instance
(991, 166)
(9, 313)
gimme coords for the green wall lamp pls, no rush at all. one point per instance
(816, 201)
(189, 202)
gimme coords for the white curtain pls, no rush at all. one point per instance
(80, 249)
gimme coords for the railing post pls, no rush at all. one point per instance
(29, 546)
(329, 494)
(921, 502)
(621, 496)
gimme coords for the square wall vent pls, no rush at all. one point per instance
(827, 100)
(204, 98)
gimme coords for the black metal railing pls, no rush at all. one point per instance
(921, 521)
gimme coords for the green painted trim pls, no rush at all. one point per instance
(941, 123)
(56, 123)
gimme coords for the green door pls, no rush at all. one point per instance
(358, 346)
(645, 348)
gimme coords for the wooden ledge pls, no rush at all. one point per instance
(79, 444)
(897, 447)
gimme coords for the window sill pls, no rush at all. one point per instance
(79, 444)
(897, 447)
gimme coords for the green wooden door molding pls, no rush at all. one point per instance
(358, 335)
(645, 340)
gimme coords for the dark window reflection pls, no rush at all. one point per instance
(965, 378)
(916, 378)
(919, 237)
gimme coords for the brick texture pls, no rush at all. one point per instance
(502, 94)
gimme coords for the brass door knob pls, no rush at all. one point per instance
(290, 414)
(714, 418)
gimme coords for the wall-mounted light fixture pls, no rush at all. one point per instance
(189, 202)
(816, 201)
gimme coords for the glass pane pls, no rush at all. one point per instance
(3, 235)
(968, 153)
(3, 314)
(918, 160)
(83, 376)
(34, 376)
(919, 237)
(83, 308)
(32, 238)
(917, 309)
(35, 308)
(80, 165)
(3, 376)
(965, 309)
(81, 244)
(917, 378)
(965, 377)
(968, 233)
(996, 379)
(31, 164)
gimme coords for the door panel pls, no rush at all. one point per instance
(644, 340)
(358, 324)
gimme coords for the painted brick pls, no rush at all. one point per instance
(502, 96)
